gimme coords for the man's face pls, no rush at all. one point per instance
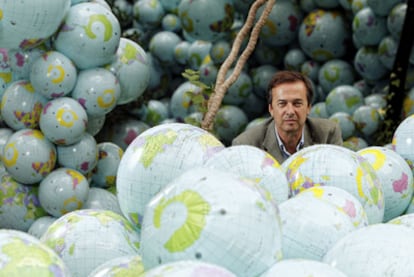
(289, 107)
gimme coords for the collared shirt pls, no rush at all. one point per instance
(284, 151)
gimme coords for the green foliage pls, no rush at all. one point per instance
(199, 99)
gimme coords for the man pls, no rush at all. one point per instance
(290, 129)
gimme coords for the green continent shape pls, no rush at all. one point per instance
(332, 76)
(155, 145)
(352, 101)
(134, 268)
(194, 224)
(18, 251)
(208, 140)
(102, 19)
(129, 53)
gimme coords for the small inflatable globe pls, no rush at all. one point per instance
(395, 20)
(367, 120)
(254, 164)
(21, 105)
(99, 198)
(130, 265)
(282, 25)
(81, 156)
(40, 225)
(240, 90)
(97, 90)
(343, 98)
(294, 59)
(53, 75)
(341, 167)
(261, 76)
(355, 143)
(156, 157)
(368, 27)
(62, 191)
(24, 255)
(162, 46)
(29, 156)
(85, 239)
(230, 121)
(206, 20)
(375, 250)
(181, 103)
(367, 64)
(346, 123)
(123, 132)
(302, 267)
(403, 140)
(63, 121)
(148, 13)
(198, 53)
(324, 34)
(153, 112)
(19, 204)
(21, 61)
(199, 216)
(89, 35)
(188, 268)
(132, 69)
(335, 72)
(311, 226)
(387, 50)
(20, 27)
(104, 173)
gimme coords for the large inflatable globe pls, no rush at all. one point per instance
(132, 69)
(213, 216)
(156, 157)
(395, 176)
(282, 24)
(375, 250)
(206, 20)
(188, 268)
(24, 255)
(324, 34)
(302, 267)
(85, 239)
(19, 204)
(89, 35)
(311, 226)
(130, 265)
(333, 165)
(403, 140)
(254, 164)
(26, 24)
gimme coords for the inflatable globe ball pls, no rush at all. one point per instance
(212, 216)
(85, 239)
(24, 255)
(20, 24)
(156, 157)
(29, 156)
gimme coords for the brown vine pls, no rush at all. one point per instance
(222, 84)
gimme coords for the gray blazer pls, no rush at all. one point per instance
(263, 136)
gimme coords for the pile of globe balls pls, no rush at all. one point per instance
(63, 77)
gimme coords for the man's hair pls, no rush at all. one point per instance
(288, 76)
